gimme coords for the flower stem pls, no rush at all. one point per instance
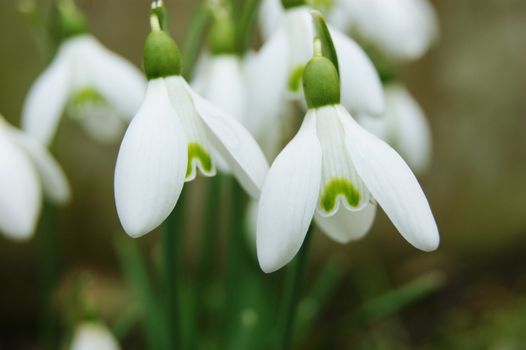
(172, 245)
(291, 295)
(194, 36)
(235, 252)
(47, 244)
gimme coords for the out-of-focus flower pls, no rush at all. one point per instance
(402, 30)
(174, 133)
(336, 171)
(97, 87)
(404, 126)
(26, 170)
(274, 74)
(93, 336)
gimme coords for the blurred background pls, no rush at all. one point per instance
(470, 294)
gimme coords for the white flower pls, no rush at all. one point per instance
(175, 133)
(274, 74)
(26, 170)
(98, 87)
(336, 171)
(404, 126)
(401, 29)
(93, 336)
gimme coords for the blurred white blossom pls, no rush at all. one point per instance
(93, 336)
(97, 87)
(404, 126)
(27, 170)
(402, 30)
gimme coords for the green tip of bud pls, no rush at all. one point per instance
(161, 56)
(69, 21)
(287, 4)
(321, 83)
(222, 39)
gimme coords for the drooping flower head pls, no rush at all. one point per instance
(87, 81)
(176, 134)
(275, 73)
(335, 172)
(27, 170)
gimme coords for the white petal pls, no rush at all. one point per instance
(93, 336)
(226, 86)
(300, 33)
(348, 225)
(270, 15)
(376, 125)
(402, 29)
(267, 74)
(54, 182)
(341, 184)
(235, 145)
(410, 131)
(119, 81)
(361, 88)
(20, 193)
(151, 165)
(289, 198)
(200, 154)
(101, 122)
(47, 98)
(392, 184)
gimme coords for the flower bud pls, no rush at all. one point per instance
(222, 38)
(161, 56)
(68, 21)
(321, 83)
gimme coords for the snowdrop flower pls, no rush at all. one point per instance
(402, 30)
(93, 336)
(175, 134)
(335, 171)
(404, 126)
(274, 74)
(97, 87)
(26, 170)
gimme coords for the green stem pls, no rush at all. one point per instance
(172, 248)
(235, 254)
(291, 295)
(247, 23)
(193, 39)
(47, 243)
(134, 268)
(209, 237)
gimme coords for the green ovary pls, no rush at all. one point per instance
(87, 95)
(339, 187)
(198, 153)
(295, 78)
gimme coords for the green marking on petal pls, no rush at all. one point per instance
(87, 95)
(295, 78)
(198, 153)
(339, 187)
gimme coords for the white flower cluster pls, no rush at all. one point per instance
(332, 171)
